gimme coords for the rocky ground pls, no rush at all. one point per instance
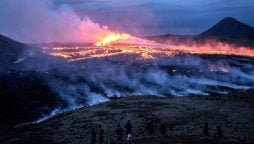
(184, 117)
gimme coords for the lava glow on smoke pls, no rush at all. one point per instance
(123, 65)
(113, 44)
(107, 39)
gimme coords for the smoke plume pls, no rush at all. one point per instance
(40, 21)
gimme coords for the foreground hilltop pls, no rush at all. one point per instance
(184, 116)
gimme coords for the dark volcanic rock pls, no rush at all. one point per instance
(229, 27)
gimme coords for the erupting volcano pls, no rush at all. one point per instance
(113, 44)
(120, 58)
(116, 43)
(120, 64)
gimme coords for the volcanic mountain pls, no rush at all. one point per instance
(229, 27)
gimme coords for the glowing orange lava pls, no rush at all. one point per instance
(111, 37)
(147, 51)
(114, 43)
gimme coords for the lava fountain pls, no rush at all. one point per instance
(107, 39)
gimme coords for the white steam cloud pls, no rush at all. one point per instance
(93, 80)
(40, 21)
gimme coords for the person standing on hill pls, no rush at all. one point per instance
(128, 127)
(219, 131)
(119, 133)
(93, 136)
(163, 130)
(205, 129)
(150, 127)
(101, 134)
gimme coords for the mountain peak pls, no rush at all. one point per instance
(229, 19)
(229, 27)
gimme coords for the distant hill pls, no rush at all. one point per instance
(10, 50)
(228, 30)
(229, 27)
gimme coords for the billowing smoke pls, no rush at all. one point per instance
(40, 21)
(94, 80)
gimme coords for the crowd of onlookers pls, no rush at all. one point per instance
(98, 135)
(118, 137)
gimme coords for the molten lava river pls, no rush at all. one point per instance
(121, 65)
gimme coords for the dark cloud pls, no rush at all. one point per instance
(162, 16)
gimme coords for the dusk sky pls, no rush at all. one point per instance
(162, 16)
(82, 20)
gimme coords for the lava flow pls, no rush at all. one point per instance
(113, 44)
(120, 65)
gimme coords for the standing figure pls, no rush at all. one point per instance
(93, 136)
(101, 134)
(119, 133)
(205, 129)
(150, 128)
(163, 130)
(128, 127)
(219, 131)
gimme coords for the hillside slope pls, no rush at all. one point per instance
(24, 96)
(184, 117)
(10, 50)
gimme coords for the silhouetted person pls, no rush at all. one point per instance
(163, 130)
(128, 127)
(219, 131)
(119, 133)
(150, 127)
(93, 136)
(101, 134)
(205, 129)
